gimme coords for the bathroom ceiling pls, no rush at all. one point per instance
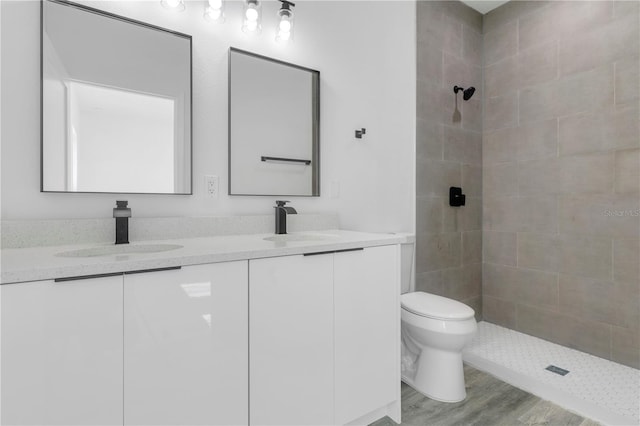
(484, 6)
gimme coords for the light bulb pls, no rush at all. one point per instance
(174, 5)
(252, 19)
(285, 25)
(284, 36)
(251, 14)
(252, 25)
(215, 11)
(212, 14)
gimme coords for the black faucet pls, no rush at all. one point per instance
(122, 214)
(281, 216)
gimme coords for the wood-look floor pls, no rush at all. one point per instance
(489, 402)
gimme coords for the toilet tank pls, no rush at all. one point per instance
(407, 279)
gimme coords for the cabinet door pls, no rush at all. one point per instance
(185, 346)
(291, 340)
(62, 352)
(367, 321)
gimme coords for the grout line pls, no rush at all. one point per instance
(557, 137)
(558, 59)
(518, 36)
(615, 95)
(613, 243)
(610, 341)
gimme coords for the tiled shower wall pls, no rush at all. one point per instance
(561, 221)
(449, 151)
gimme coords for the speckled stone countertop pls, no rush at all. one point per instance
(45, 263)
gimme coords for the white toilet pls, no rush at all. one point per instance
(435, 329)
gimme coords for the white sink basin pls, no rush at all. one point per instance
(301, 237)
(119, 249)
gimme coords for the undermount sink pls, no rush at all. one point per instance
(301, 237)
(119, 249)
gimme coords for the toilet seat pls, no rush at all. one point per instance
(436, 307)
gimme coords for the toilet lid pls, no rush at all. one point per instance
(437, 307)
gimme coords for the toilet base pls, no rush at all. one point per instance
(439, 376)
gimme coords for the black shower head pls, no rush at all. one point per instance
(467, 93)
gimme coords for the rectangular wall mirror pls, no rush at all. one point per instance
(274, 119)
(116, 104)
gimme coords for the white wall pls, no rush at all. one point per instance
(365, 52)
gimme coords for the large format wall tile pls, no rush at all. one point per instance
(472, 247)
(435, 177)
(600, 300)
(499, 311)
(500, 111)
(449, 151)
(626, 267)
(627, 75)
(538, 214)
(562, 110)
(539, 251)
(438, 251)
(501, 214)
(500, 42)
(429, 215)
(608, 215)
(500, 180)
(627, 172)
(429, 137)
(472, 45)
(600, 131)
(591, 173)
(539, 177)
(616, 40)
(537, 64)
(625, 346)
(499, 146)
(462, 146)
(501, 78)
(500, 247)
(537, 140)
(472, 180)
(585, 255)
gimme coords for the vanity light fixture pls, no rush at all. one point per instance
(214, 11)
(285, 21)
(251, 23)
(252, 15)
(173, 5)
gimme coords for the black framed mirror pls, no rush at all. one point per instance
(116, 103)
(274, 127)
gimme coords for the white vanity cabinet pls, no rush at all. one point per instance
(324, 337)
(367, 332)
(62, 352)
(185, 346)
(291, 340)
(163, 347)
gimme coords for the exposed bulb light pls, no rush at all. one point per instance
(174, 5)
(285, 24)
(252, 15)
(214, 12)
(251, 23)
